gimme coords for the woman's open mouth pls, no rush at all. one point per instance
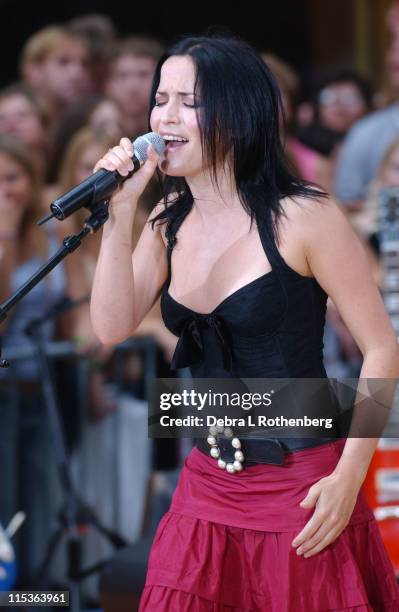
(173, 143)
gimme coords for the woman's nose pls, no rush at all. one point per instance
(170, 113)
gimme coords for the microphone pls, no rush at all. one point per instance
(100, 185)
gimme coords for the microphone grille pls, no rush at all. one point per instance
(141, 143)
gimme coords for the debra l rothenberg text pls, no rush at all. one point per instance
(249, 421)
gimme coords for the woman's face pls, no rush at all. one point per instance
(19, 117)
(390, 174)
(107, 119)
(340, 105)
(86, 161)
(15, 184)
(175, 115)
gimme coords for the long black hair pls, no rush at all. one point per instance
(238, 120)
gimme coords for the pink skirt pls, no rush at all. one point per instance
(226, 544)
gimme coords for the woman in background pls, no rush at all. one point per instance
(311, 165)
(340, 99)
(28, 480)
(22, 116)
(365, 221)
(98, 113)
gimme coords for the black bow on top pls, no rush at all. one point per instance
(190, 349)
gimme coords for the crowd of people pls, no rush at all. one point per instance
(81, 88)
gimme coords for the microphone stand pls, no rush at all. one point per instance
(97, 219)
(75, 516)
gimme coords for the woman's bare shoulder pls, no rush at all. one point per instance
(305, 205)
(306, 225)
(313, 216)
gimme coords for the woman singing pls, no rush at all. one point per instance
(244, 256)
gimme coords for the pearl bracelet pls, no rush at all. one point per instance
(212, 440)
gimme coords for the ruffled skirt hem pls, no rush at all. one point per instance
(200, 566)
(165, 599)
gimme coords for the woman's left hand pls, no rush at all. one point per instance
(334, 498)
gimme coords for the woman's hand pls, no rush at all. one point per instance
(119, 158)
(334, 498)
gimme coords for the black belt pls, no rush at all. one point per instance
(262, 450)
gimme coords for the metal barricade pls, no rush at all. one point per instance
(111, 465)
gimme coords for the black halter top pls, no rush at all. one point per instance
(271, 327)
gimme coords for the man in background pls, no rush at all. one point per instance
(129, 80)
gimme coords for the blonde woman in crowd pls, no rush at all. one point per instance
(26, 459)
(22, 115)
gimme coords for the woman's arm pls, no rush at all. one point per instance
(339, 263)
(126, 286)
(10, 221)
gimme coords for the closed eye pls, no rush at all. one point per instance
(157, 103)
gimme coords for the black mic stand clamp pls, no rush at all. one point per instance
(75, 515)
